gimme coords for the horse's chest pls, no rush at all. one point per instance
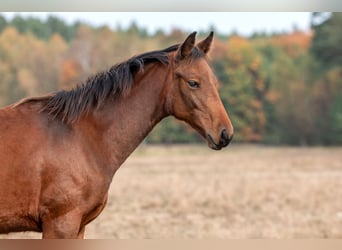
(95, 211)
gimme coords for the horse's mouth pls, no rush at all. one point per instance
(212, 144)
(224, 141)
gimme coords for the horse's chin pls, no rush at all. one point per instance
(212, 144)
(215, 147)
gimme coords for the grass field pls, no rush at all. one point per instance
(243, 191)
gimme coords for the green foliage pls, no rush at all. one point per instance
(3, 23)
(172, 131)
(326, 44)
(326, 49)
(278, 89)
(336, 120)
(44, 29)
(57, 25)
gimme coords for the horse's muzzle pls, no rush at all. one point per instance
(225, 139)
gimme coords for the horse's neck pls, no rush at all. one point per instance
(122, 124)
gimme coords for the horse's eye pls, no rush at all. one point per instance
(193, 84)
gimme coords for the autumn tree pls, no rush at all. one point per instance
(11, 49)
(278, 88)
(243, 88)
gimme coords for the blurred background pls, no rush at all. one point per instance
(280, 73)
(280, 78)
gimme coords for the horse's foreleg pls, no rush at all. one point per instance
(66, 226)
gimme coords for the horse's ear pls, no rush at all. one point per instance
(186, 48)
(205, 44)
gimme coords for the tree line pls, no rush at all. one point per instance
(283, 88)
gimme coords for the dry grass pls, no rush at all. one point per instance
(240, 192)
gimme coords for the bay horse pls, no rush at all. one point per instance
(59, 152)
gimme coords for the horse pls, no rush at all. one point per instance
(60, 151)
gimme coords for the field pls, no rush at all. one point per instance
(243, 191)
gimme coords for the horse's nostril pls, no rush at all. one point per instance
(224, 141)
(224, 135)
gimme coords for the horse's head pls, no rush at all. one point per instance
(193, 95)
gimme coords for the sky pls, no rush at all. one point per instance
(245, 23)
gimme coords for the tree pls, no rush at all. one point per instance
(327, 40)
(57, 25)
(56, 52)
(19, 23)
(336, 120)
(243, 88)
(3, 23)
(37, 27)
(327, 51)
(278, 88)
(10, 49)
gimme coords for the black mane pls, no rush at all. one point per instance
(70, 105)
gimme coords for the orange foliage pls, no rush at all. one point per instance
(241, 51)
(256, 63)
(237, 48)
(238, 42)
(219, 50)
(272, 96)
(249, 135)
(70, 72)
(295, 44)
(256, 104)
(27, 81)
